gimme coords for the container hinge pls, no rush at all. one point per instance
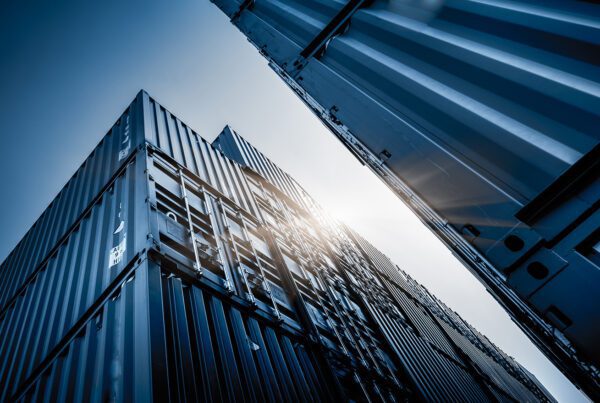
(336, 26)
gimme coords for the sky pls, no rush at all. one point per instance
(68, 69)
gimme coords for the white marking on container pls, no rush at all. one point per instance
(116, 253)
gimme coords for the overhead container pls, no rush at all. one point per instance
(192, 277)
(483, 118)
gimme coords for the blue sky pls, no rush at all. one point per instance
(69, 69)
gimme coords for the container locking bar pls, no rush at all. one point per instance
(215, 227)
(188, 212)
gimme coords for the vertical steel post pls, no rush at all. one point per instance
(192, 233)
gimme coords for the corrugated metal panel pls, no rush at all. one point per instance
(252, 257)
(191, 278)
(495, 372)
(482, 116)
(72, 279)
(425, 313)
(106, 357)
(186, 147)
(381, 262)
(423, 365)
(423, 324)
(237, 148)
(237, 357)
(73, 200)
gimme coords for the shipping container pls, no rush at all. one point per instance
(200, 272)
(483, 117)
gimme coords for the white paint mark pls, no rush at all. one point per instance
(120, 227)
(124, 152)
(116, 253)
(253, 345)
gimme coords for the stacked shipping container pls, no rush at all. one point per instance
(172, 269)
(483, 117)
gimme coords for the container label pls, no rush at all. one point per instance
(119, 239)
(116, 253)
(123, 153)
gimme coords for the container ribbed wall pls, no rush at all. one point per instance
(73, 278)
(190, 277)
(237, 148)
(186, 147)
(72, 201)
(433, 320)
(158, 338)
(482, 116)
(431, 323)
(255, 362)
(105, 356)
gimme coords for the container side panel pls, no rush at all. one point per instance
(74, 277)
(75, 198)
(106, 359)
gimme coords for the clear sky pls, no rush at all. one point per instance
(68, 69)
